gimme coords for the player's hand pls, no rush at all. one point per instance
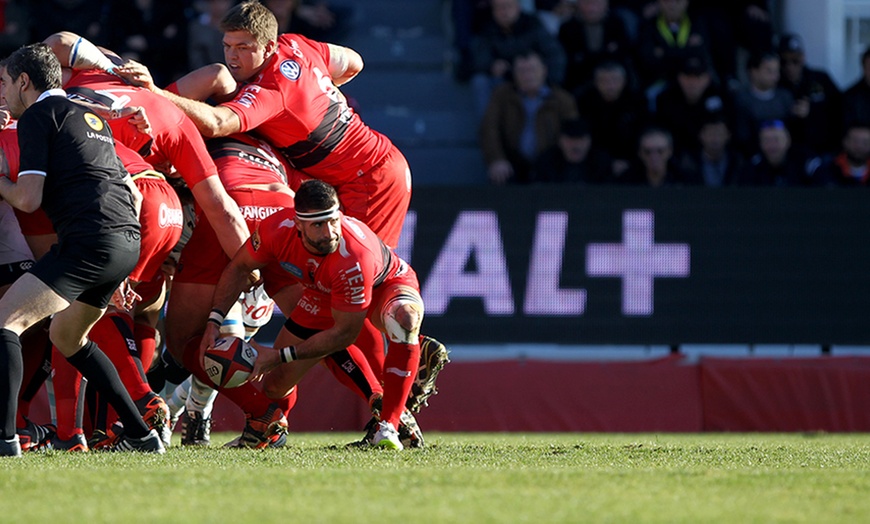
(500, 171)
(136, 74)
(5, 117)
(212, 332)
(267, 360)
(137, 118)
(125, 297)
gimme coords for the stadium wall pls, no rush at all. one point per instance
(560, 270)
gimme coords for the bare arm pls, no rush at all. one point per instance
(233, 281)
(344, 64)
(341, 335)
(211, 81)
(137, 195)
(25, 194)
(223, 214)
(211, 121)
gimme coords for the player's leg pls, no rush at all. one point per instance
(69, 330)
(27, 301)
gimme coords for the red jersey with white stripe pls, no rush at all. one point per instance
(347, 276)
(177, 141)
(294, 105)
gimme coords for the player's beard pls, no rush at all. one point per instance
(324, 246)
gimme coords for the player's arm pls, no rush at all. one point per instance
(344, 64)
(341, 335)
(137, 195)
(26, 193)
(212, 81)
(77, 52)
(233, 281)
(222, 212)
(211, 121)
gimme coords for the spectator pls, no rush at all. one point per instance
(686, 104)
(592, 35)
(84, 17)
(734, 24)
(715, 163)
(852, 166)
(573, 159)
(317, 19)
(522, 120)
(856, 99)
(818, 102)
(205, 38)
(151, 32)
(760, 100)
(14, 26)
(655, 152)
(663, 42)
(507, 34)
(554, 13)
(615, 113)
(468, 18)
(778, 163)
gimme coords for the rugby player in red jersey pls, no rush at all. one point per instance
(347, 274)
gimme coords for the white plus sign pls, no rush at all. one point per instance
(638, 260)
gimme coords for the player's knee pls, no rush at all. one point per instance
(402, 322)
(66, 338)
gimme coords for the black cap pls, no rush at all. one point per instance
(575, 127)
(790, 43)
(695, 64)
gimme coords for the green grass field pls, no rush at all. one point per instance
(458, 477)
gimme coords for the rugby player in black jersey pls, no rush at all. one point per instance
(68, 167)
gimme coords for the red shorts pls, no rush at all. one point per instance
(381, 197)
(314, 308)
(161, 220)
(203, 259)
(34, 224)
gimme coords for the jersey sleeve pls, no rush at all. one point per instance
(256, 104)
(34, 139)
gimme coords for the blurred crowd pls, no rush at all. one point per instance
(655, 93)
(171, 36)
(644, 92)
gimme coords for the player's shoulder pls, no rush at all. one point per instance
(280, 220)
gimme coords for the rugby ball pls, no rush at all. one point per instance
(230, 362)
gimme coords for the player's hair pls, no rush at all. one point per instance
(40, 64)
(315, 195)
(253, 17)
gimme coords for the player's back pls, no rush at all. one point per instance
(177, 141)
(306, 117)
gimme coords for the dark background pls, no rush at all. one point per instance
(767, 265)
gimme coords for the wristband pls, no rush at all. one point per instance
(216, 316)
(288, 354)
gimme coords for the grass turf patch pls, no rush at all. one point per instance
(458, 477)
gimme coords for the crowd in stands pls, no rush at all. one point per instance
(171, 36)
(726, 106)
(655, 93)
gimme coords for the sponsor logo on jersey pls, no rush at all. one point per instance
(290, 69)
(170, 217)
(94, 122)
(290, 268)
(258, 212)
(255, 240)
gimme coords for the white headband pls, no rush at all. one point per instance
(318, 216)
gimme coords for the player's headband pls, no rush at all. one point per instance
(318, 216)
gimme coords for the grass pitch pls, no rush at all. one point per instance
(458, 477)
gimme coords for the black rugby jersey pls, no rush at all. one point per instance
(84, 191)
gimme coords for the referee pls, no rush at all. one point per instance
(68, 167)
